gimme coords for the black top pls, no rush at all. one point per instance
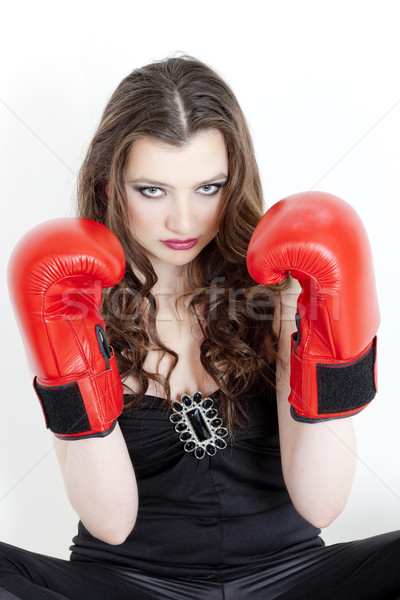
(198, 515)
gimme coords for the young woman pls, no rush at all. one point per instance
(202, 480)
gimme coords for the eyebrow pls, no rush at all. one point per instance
(149, 181)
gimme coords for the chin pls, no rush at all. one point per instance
(182, 261)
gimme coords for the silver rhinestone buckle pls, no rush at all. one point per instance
(198, 424)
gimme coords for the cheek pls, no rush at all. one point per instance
(141, 221)
(211, 222)
(211, 218)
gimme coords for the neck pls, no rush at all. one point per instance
(172, 281)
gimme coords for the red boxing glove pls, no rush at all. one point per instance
(321, 240)
(56, 276)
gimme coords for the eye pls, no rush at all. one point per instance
(150, 191)
(210, 189)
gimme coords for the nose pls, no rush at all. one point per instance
(180, 217)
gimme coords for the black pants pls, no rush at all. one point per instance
(366, 570)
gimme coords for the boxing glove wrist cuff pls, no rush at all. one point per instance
(87, 407)
(82, 436)
(331, 389)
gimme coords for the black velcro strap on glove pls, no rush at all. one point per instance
(347, 387)
(63, 407)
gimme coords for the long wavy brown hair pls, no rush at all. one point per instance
(172, 100)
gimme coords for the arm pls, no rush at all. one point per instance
(56, 276)
(100, 484)
(318, 459)
(327, 350)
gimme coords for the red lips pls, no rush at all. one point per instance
(180, 244)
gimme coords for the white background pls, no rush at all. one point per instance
(319, 83)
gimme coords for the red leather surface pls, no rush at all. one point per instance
(56, 276)
(321, 240)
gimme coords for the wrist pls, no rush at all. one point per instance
(82, 407)
(326, 388)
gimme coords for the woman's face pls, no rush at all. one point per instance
(175, 195)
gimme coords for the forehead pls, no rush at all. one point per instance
(204, 156)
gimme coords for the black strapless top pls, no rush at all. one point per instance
(197, 516)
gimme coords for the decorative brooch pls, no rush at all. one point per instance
(198, 424)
